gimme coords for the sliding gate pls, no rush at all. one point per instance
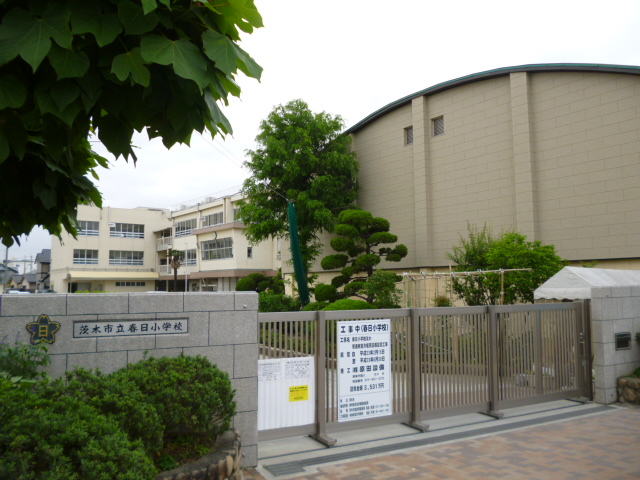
(441, 361)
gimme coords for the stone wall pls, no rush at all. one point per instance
(220, 326)
(613, 310)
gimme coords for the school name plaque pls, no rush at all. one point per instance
(127, 328)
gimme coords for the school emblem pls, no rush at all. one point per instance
(44, 330)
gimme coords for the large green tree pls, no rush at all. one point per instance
(363, 241)
(302, 157)
(481, 251)
(71, 68)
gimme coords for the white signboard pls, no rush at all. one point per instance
(364, 369)
(124, 328)
(286, 392)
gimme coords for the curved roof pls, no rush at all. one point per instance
(498, 72)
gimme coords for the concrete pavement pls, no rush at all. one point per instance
(554, 440)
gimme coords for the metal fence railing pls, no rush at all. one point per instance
(443, 360)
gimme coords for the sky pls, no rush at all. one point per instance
(352, 57)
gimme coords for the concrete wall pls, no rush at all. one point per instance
(221, 326)
(613, 310)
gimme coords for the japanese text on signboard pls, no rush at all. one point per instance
(130, 327)
(364, 376)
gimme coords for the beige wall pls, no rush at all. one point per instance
(62, 250)
(226, 270)
(554, 155)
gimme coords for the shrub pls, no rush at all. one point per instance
(314, 306)
(156, 409)
(64, 439)
(326, 293)
(191, 395)
(349, 304)
(441, 301)
(24, 361)
(116, 396)
(277, 302)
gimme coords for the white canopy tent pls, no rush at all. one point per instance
(574, 283)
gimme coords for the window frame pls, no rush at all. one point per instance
(185, 227)
(126, 230)
(217, 249)
(408, 135)
(85, 259)
(84, 231)
(191, 257)
(130, 283)
(213, 219)
(437, 124)
(126, 257)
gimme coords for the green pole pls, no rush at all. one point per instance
(296, 255)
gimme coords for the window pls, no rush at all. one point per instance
(249, 252)
(191, 257)
(217, 249)
(85, 257)
(438, 126)
(126, 230)
(88, 228)
(213, 219)
(123, 257)
(408, 136)
(236, 211)
(185, 227)
(131, 284)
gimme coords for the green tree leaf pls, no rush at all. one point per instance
(97, 79)
(135, 20)
(296, 146)
(221, 50)
(185, 57)
(31, 36)
(68, 63)
(511, 250)
(130, 64)
(87, 17)
(150, 5)
(359, 234)
(13, 93)
(248, 65)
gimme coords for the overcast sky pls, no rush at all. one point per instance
(352, 57)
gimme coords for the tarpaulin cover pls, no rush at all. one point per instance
(575, 283)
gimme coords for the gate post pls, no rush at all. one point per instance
(321, 382)
(416, 373)
(583, 351)
(492, 368)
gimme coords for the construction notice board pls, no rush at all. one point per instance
(286, 392)
(364, 369)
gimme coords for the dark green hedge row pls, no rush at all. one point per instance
(117, 426)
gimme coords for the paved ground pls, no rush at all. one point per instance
(601, 446)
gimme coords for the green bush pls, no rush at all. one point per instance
(64, 439)
(314, 306)
(94, 426)
(277, 302)
(441, 301)
(349, 304)
(326, 293)
(22, 360)
(191, 395)
(117, 396)
(22, 365)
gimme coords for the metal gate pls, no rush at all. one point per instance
(444, 361)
